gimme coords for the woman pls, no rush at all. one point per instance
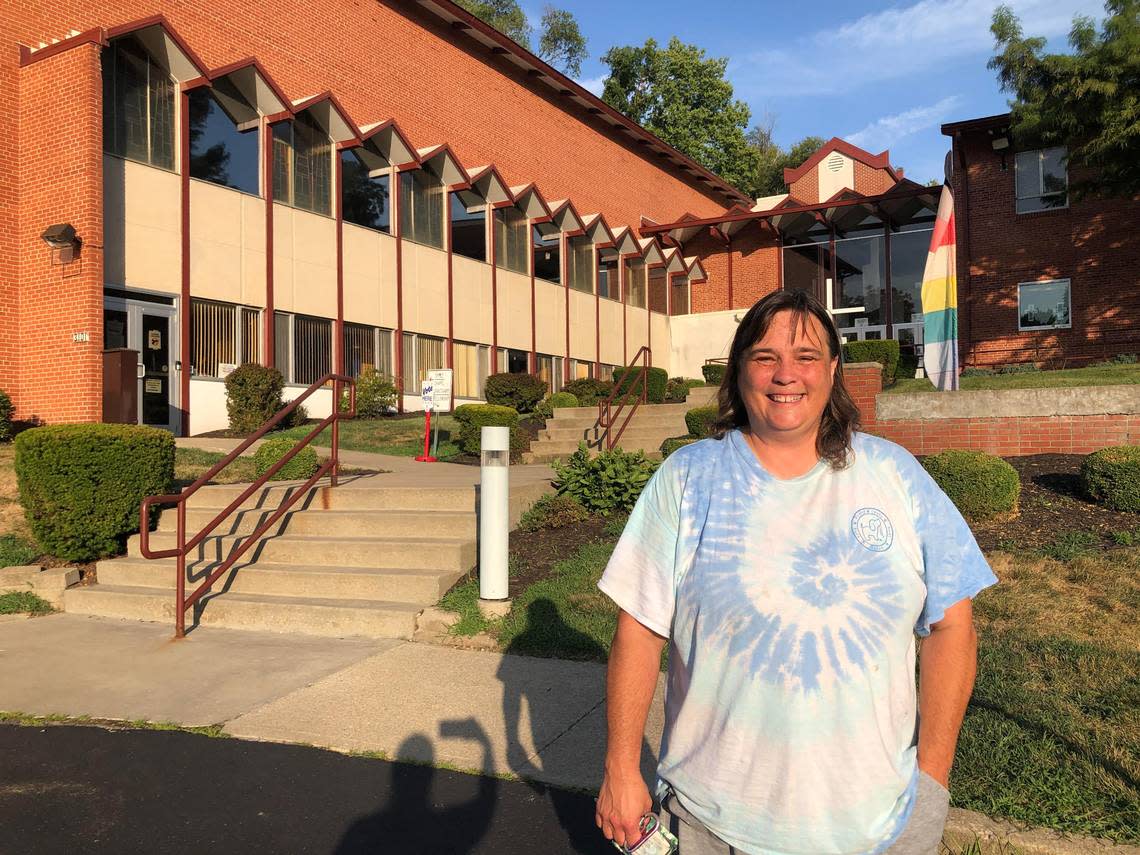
(790, 562)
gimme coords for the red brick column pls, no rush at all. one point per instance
(864, 380)
(60, 178)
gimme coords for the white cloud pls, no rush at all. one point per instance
(888, 130)
(594, 84)
(893, 43)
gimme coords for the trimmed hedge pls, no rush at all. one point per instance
(1111, 477)
(674, 442)
(607, 483)
(81, 485)
(553, 511)
(714, 372)
(656, 382)
(979, 484)
(301, 467)
(253, 396)
(518, 391)
(677, 389)
(557, 401)
(472, 417)
(589, 391)
(6, 410)
(885, 352)
(699, 421)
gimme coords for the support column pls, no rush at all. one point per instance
(184, 301)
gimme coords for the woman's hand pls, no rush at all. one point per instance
(623, 801)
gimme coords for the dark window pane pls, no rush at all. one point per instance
(421, 207)
(468, 230)
(218, 151)
(580, 264)
(658, 290)
(908, 263)
(802, 269)
(138, 105)
(547, 260)
(365, 200)
(281, 349)
(860, 266)
(312, 165)
(283, 162)
(608, 278)
(512, 244)
(312, 349)
(114, 329)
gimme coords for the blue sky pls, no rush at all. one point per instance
(880, 75)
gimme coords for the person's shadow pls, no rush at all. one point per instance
(546, 631)
(409, 822)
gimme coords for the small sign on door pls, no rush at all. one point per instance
(152, 387)
(154, 339)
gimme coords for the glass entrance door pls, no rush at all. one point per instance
(149, 329)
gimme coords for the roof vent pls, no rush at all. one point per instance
(835, 162)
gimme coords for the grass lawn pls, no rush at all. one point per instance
(401, 437)
(1052, 735)
(21, 602)
(1095, 375)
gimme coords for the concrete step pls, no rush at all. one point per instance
(543, 455)
(365, 492)
(308, 616)
(633, 429)
(394, 522)
(402, 585)
(657, 409)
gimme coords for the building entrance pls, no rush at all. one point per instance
(148, 327)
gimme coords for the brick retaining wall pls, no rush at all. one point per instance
(1008, 436)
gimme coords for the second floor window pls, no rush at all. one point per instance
(512, 240)
(547, 256)
(219, 152)
(138, 105)
(608, 278)
(580, 264)
(635, 282)
(365, 200)
(468, 229)
(1042, 180)
(422, 197)
(302, 164)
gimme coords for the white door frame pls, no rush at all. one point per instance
(135, 309)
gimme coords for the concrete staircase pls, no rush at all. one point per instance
(651, 425)
(361, 559)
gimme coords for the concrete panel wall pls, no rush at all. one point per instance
(208, 405)
(695, 338)
(425, 289)
(369, 277)
(637, 331)
(661, 341)
(471, 288)
(142, 232)
(583, 344)
(227, 244)
(514, 309)
(611, 332)
(550, 318)
(304, 262)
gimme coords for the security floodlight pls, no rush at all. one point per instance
(60, 235)
(1000, 143)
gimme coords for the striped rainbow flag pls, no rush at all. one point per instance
(940, 300)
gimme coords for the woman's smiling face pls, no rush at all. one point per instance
(786, 379)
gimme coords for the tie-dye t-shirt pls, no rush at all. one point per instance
(791, 607)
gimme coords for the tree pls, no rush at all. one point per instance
(682, 97)
(773, 160)
(560, 41)
(1087, 101)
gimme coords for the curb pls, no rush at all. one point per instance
(965, 828)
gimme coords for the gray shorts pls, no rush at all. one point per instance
(921, 836)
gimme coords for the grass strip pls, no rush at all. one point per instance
(1094, 375)
(23, 602)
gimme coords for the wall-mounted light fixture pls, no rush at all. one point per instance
(62, 239)
(1000, 143)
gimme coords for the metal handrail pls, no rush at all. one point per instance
(330, 466)
(607, 416)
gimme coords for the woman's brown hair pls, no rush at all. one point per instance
(840, 417)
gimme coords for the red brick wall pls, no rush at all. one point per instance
(1007, 437)
(755, 265)
(1092, 243)
(807, 188)
(60, 179)
(871, 181)
(712, 295)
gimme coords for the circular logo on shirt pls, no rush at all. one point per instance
(872, 529)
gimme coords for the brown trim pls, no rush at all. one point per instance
(338, 202)
(563, 259)
(159, 20)
(253, 62)
(493, 255)
(270, 356)
(533, 312)
(451, 305)
(597, 313)
(327, 95)
(184, 307)
(728, 252)
(779, 261)
(398, 233)
(888, 309)
(29, 55)
(1001, 120)
(882, 160)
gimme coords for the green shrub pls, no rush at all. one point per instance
(376, 395)
(674, 442)
(700, 421)
(81, 485)
(518, 391)
(714, 372)
(677, 389)
(1124, 359)
(557, 401)
(627, 380)
(301, 467)
(885, 352)
(553, 511)
(1111, 477)
(6, 410)
(15, 551)
(607, 483)
(978, 372)
(472, 417)
(253, 396)
(979, 484)
(1019, 368)
(589, 391)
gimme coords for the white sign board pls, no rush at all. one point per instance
(426, 391)
(860, 322)
(440, 382)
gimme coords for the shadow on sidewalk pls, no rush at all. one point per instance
(412, 822)
(543, 704)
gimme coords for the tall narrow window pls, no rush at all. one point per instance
(580, 264)
(312, 349)
(421, 207)
(359, 349)
(547, 256)
(219, 152)
(365, 198)
(138, 105)
(512, 243)
(222, 336)
(635, 282)
(468, 229)
(422, 353)
(679, 299)
(658, 290)
(302, 164)
(470, 369)
(283, 345)
(608, 278)
(1042, 180)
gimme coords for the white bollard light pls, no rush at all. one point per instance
(494, 491)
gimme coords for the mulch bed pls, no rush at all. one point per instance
(536, 552)
(1052, 506)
